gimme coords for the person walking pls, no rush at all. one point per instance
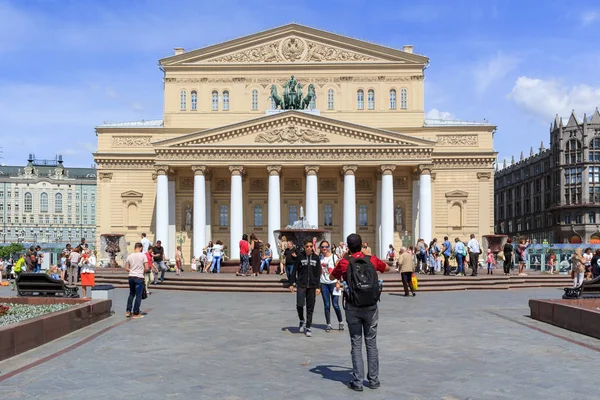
(289, 256)
(407, 268)
(433, 256)
(255, 254)
(244, 256)
(265, 264)
(552, 261)
(459, 251)
(217, 257)
(490, 262)
(577, 268)
(145, 242)
(508, 256)
(88, 272)
(17, 269)
(158, 256)
(136, 265)
(587, 256)
(474, 251)
(149, 273)
(305, 277)
(282, 248)
(521, 256)
(391, 254)
(447, 252)
(178, 261)
(74, 265)
(330, 287)
(362, 315)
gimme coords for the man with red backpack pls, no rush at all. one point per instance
(362, 289)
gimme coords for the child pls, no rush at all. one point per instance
(149, 275)
(490, 262)
(551, 263)
(193, 264)
(201, 261)
(63, 265)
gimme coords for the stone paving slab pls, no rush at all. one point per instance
(457, 345)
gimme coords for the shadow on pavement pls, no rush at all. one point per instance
(334, 373)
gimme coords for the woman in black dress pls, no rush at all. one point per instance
(255, 254)
(508, 256)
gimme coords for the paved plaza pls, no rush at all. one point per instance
(458, 345)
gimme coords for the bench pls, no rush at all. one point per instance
(588, 290)
(30, 284)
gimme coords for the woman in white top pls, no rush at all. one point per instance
(330, 287)
(587, 256)
(88, 269)
(217, 256)
(209, 256)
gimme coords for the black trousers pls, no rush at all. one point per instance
(507, 264)
(407, 282)
(474, 262)
(306, 296)
(447, 265)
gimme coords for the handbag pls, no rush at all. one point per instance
(414, 282)
(144, 293)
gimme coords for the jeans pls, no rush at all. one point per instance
(288, 270)
(265, 264)
(578, 279)
(216, 262)
(460, 266)
(407, 282)
(474, 262)
(136, 286)
(306, 296)
(37, 268)
(327, 295)
(363, 321)
(162, 267)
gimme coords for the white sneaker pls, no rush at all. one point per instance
(307, 332)
(301, 327)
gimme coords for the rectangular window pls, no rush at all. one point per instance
(258, 215)
(362, 215)
(328, 215)
(592, 217)
(223, 215)
(292, 214)
(567, 218)
(578, 219)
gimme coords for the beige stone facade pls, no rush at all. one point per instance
(366, 128)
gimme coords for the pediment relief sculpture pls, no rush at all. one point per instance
(292, 134)
(292, 49)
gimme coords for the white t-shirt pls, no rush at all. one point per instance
(217, 250)
(327, 266)
(136, 264)
(146, 244)
(587, 258)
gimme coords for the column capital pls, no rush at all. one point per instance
(349, 169)
(274, 169)
(387, 169)
(425, 169)
(161, 169)
(311, 169)
(484, 175)
(236, 169)
(199, 169)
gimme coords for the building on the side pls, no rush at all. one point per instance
(230, 157)
(554, 195)
(43, 202)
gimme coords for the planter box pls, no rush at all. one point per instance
(577, 315)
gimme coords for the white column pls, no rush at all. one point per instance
(162, 205)
(425, 221)
(208, 203)
(312, 195)
(415, 209)
(380, 252)
(236, 213)
(274, 208)
(387, 205)
(349, 225)
(199, 223)
(172, 242)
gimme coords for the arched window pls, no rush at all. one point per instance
(403, 99)
(58, 203)
(215, 100)
(330, 99)
(371, 99)
(363, 219)
(595, 150)
(258, 215)
(28, 202)
(225, 100)
(255, 100)
(224, 215)
(183, 100)
(360, 99)
(328, 215)
(194, 100)
(573, 153)
(393, 99)
(44, 202)
(293, 214)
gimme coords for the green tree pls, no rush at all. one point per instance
(11, 249)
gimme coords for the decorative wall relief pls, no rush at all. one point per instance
(186, 183)
(292, 134)
(132, 141)
(292, 185)
(222, 185)
(328, 185)
(457, 140)
(257, 185)
(364, 184)
(401, 182)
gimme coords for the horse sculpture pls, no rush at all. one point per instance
(309, 97)
(278, 100)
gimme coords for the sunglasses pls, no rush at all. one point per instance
(324, 247)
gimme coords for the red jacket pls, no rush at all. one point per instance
(340, 270)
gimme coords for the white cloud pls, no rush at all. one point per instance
(137, 106)
(434, 113)
(589, 17)
(492, 70)
(546, 98)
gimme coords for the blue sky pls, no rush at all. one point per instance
(66, 65)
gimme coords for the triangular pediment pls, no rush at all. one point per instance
(132, 194)
(291, 129)
(457, 194)
(294, 44)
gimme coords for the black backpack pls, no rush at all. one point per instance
(363, 282)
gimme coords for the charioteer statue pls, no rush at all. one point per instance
(293, 98)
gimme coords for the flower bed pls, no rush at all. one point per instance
(11, 313)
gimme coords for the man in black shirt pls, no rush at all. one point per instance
(158, 256)
(306, 276)
(290, 258)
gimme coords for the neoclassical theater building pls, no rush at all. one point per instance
(355, 151)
